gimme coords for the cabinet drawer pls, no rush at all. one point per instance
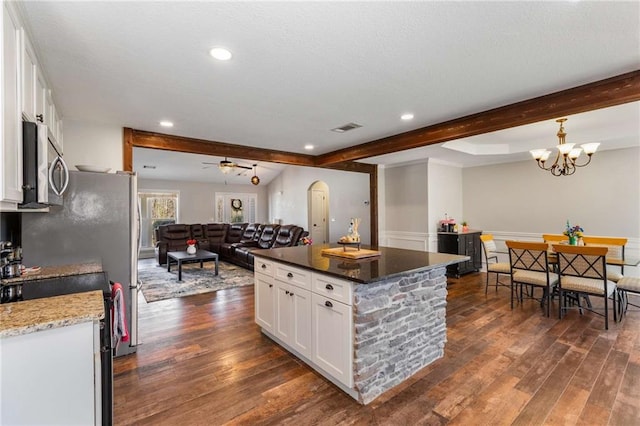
(292, 275)
(263, 266)
(333, 288)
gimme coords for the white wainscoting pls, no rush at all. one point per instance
(408, 240)
(632, 249)
(424, 241)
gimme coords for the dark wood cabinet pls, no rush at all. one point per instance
(465, 243)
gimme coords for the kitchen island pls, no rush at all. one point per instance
(367, 324)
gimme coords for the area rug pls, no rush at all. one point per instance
(158, 284)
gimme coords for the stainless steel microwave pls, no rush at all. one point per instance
(45, 174)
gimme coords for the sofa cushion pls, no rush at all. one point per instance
(267, 236)
(287, 236)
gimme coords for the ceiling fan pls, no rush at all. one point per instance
(227, 166)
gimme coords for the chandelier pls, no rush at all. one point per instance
(566, 157)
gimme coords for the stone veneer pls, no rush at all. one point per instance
(400, 327)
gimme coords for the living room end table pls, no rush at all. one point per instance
(183, 257)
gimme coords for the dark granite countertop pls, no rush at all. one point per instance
(392, 262)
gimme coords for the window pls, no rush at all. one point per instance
(235, 208)
(156, 208)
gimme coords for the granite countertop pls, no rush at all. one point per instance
(51, 312)
(55, 272)
(392, 262)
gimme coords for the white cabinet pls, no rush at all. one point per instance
(52, 377)
(309, 313)
(29, 79)
(40, 96)
(265, 301)
(333, 337)
(11, 126)
(293, 319)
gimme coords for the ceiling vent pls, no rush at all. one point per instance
(346, 127)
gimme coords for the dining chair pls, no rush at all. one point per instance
(627, 285)
(615, 254)
(495, 267)
(529, 264)
(583, 271)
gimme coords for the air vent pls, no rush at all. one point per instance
(148, 167)
(346, 127)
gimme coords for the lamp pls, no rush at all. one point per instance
(226, 166)
(565, 163)
(255, 179)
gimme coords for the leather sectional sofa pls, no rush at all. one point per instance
(233, 242)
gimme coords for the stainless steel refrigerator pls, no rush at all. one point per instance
(98, 222)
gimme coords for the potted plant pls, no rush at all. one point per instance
(465, 227)
(574, 233)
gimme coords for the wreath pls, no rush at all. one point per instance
(236, 204)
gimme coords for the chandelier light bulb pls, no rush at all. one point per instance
(590, 148)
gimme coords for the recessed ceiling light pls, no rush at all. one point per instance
(408, 116)
(308, 147)
(220, 53)
(166, 124)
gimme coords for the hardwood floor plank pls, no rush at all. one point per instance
(204, 361)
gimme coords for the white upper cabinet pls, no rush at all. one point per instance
(11, 126)
(29, 79)
(41, 96)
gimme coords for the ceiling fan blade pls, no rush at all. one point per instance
(213, 164)
(243, 167)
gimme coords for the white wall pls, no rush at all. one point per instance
(445, 194)
(92, 144)
(406, 198)
(520, 201)
(519, 197)
(196, 201)
(348, 192)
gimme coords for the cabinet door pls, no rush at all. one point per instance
(265, 301)
(301, 332)
(284, 312)
(332, 333)
(41, 97)
(292, 318)
(29, 72)
(11, 142)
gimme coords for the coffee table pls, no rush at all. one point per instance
(184, 257)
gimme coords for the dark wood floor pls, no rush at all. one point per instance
(203, 361)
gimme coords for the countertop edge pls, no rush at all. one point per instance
(265, 253)
(35, 315)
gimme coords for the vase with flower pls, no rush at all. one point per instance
(574, 233)
(191, 246)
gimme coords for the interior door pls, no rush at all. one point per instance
(318, 216)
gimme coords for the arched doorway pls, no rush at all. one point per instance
(318, 202)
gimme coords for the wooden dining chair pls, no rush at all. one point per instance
(583, 271)
(529, 265)
(495, 267)
(615, 254)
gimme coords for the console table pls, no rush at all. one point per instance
(462, 243)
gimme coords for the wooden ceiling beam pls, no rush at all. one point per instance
(612, 91)
(143, 139)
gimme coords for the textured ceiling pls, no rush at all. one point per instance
(302, 68)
